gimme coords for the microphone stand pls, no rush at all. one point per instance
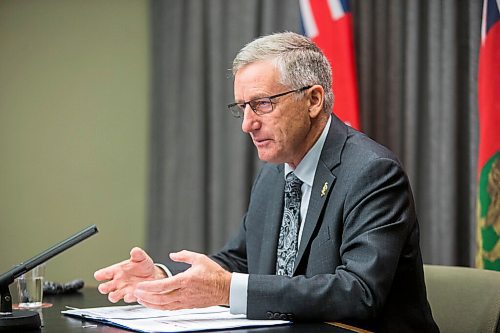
(25, 319)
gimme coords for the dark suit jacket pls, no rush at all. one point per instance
(359, 259)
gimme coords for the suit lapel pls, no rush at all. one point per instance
(272, 224)
(323, 183)
(324, 180)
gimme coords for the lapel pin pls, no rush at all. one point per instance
(324, 189)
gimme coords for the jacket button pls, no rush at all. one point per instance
(269, 315)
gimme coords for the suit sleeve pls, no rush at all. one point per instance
(378, 215)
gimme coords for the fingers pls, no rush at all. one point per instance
(116, 292)
(170, 306)
(106, 287)
(158, 299)
(126, 293)
(129, 298)
(153, 298)
(159, 294)
(185, 256)
(159, 286)
(137, 255)
(106, 273)
(115, 296)
(122, 277)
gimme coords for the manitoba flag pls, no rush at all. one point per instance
(329, 24)
(488, 203)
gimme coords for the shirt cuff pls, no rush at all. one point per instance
(165, 269)
(238, 293)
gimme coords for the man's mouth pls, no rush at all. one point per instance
(261, 142)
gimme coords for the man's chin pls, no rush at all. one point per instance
(266, 156)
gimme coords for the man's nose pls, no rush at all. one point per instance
(250, 120)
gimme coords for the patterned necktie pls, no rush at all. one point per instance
(289, 232)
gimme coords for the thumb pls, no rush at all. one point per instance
(137, 255)
(185, 256)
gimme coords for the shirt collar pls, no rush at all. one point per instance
(306, 169)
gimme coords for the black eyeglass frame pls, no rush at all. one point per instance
(238, 113)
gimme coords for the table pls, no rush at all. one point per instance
(54, 322)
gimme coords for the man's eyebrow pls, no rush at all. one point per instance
(259, 96)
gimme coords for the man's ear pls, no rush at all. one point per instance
(316, 99)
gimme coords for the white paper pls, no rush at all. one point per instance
(142, 319)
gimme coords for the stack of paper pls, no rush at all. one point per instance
(142, 319)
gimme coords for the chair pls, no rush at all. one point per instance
(464, 300)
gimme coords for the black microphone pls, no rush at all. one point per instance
(23, 319)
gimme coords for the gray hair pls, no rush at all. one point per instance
(299, 61)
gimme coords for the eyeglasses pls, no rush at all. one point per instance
(261, 105)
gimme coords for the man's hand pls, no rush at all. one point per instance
(204, 284)
(122, 278)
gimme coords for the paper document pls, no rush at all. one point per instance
(142, 319)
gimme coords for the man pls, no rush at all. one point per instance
(330, 233)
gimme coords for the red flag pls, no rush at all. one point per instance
(329, 24)
(488, 225)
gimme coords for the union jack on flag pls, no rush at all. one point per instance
(329, 24)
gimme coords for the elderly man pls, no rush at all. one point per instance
(330, 233)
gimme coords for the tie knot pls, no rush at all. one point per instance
(293, 182)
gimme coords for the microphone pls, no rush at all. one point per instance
(25, 319)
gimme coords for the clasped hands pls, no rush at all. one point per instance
(138, 279)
